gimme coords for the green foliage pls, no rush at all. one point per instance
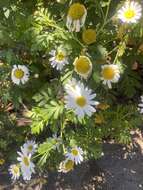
(47, 112)
(11, 136)
(44, 151)
(119, 122)
(29, 30)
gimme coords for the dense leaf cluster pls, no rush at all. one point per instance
(28, 31)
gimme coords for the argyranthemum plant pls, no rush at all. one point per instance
(58, 60)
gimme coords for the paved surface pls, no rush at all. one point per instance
(118, 169)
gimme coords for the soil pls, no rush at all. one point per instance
(121, 168)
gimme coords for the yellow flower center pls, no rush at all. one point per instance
(81, 101)
(129, 14)
(30, 148)
(2, 161)
(16, 169)
(89, 36)
(82, 65)
(108, 73)
(26, 161)
(60, 56)
(69, 165)
(19, 73)
(74, 152)
(76, 11)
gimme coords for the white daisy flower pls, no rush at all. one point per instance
(76, 17)
(20, 74)
(59, 58)
(140, 106)
(75, 155)
(66, 166)
(83, 66)
(80, 99)
(14, 171)
(29, 147)
(131, 12)
(27, 166)
(110, 73)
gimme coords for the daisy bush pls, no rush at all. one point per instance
(71, 77)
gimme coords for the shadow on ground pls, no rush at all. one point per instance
(119, 169)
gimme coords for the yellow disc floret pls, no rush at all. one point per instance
(108, 73)
(81, 101)
(16, 169)
(89, 36)
(19, 73)
(76, 11)
(74, 152)
(60, 56)
(82, 65)
(30, 148)
(69, 165)
(129, 14)
(2, 161)
(26, 161)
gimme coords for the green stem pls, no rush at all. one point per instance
(116, 57)
(112, 50)
(61, 132)
(53, 24)
(78, 41)
(105, 18)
